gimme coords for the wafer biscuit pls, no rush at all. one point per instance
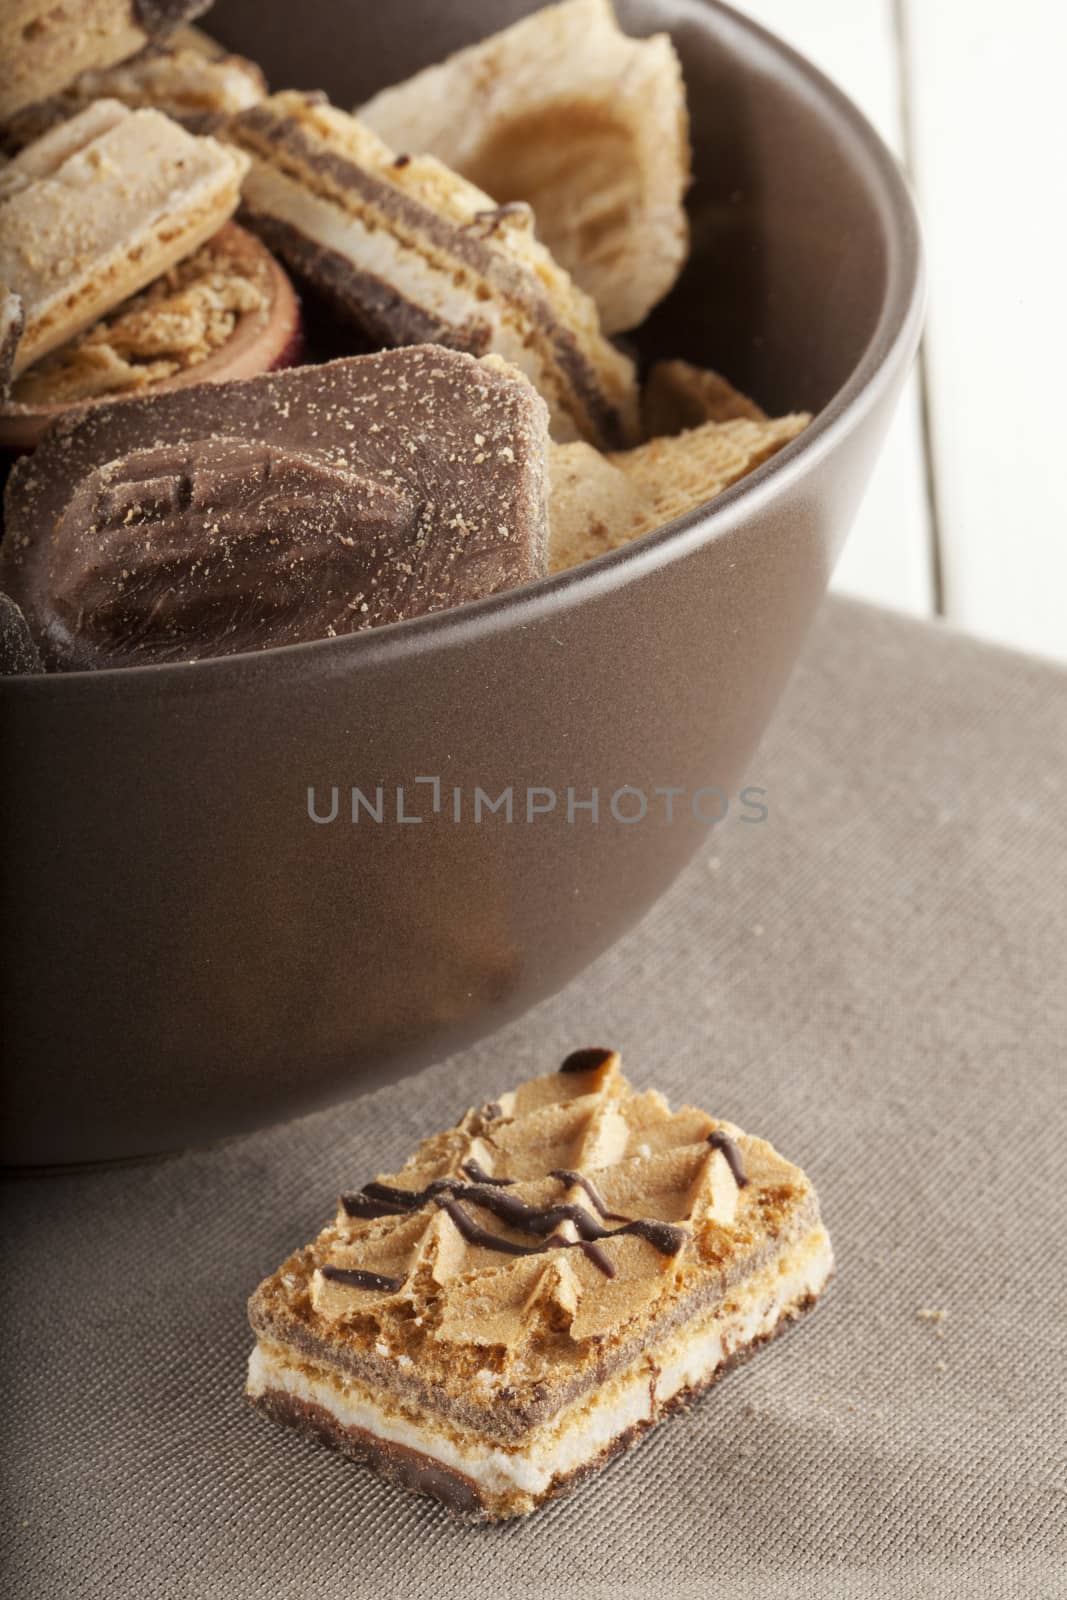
(45, 44)
(598, 503)
(197, 90)
(565, 111)
(678, 395)
(101, 206)
(535, 1288)
(411, 252)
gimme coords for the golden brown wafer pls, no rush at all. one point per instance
(100, 207)
(598, 503)
(45, 44)
(678, 395)
(195, 89)
(590, 126)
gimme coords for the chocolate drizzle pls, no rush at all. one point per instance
(543, 1222)
(722, 1141)
(478, 1174)
(598, 1257)
(596, 1200)
(382, 1200)
(474, 1233)
(352, 1278)
(586, 1060)
(662, 1236)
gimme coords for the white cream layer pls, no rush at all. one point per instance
(583, 1431)
(435, 290)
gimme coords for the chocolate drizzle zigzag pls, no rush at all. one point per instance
(631, 1171)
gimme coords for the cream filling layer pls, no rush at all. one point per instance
(584, 1430)
(434, 289)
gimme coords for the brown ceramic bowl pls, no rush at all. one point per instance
(187, 953)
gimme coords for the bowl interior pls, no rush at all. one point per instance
(791, 241)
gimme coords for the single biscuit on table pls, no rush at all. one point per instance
(535, 1288)
(297, 505)
(598, 503)
(410, 252)
(678, 396)
(197, 90)
(565, 111)
(45, 44)
(98, 208)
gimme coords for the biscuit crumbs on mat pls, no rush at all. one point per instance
(535, 1288)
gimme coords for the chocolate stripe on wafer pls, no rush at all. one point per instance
(405, 250)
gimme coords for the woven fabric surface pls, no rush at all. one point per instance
(874, 979)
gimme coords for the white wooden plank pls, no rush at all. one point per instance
(888, 558)
(989, 119)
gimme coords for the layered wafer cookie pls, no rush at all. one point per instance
(599, 502)
(196, 89)
(45, 44)
(535, 1288)
(101, 206)
(410, 252)
(678, 395)
(565, 111)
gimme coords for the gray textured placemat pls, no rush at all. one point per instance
(877, 983)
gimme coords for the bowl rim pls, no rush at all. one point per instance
(890, 346)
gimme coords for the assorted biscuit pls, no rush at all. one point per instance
(599, 502)
(46, 44)
(197, 88)
(227, 311)
(589, 126)
(187, 260)
(98, 208)
(412, 252)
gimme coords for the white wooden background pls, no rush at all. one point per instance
(966, 516)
